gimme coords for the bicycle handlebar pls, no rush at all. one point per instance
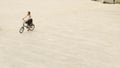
(23, 19)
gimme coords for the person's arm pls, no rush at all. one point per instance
(24, 17)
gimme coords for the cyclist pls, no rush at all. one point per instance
(28, 19)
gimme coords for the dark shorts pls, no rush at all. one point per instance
(29, 22)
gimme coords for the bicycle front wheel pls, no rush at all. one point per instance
(21, 30)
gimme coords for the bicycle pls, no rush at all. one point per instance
(25, 25)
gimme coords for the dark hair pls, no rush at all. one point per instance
(28, 12)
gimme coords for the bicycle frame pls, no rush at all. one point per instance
(25, 24)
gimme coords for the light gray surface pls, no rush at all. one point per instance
(68, 34)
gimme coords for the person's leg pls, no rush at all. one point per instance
(30, 22)
(28, 26)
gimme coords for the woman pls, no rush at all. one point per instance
(28, 19)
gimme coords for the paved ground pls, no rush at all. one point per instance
(68, 34)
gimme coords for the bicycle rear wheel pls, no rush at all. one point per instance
(32, 27)
(21, 30)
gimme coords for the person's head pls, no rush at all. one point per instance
(29, 13)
